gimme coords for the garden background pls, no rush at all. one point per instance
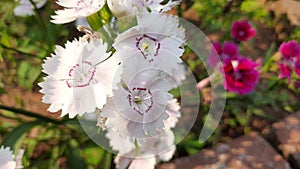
(51, 141)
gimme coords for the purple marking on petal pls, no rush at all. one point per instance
(143, 96)
(145, 54)
(129, 99)
(151, 103)
(83, 81)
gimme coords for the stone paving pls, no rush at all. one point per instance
(279, 151)
(287, 135)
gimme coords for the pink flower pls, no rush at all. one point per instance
(297, 66)
(242, 30)
(241, 75)
(230, 49)
(290, 49)
(291, 54)
(285, 71)
(225, 52)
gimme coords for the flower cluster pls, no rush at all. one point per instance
(126, 84)
(240, 73)
(291, 59)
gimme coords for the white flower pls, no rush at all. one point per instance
(92, 117)
(120, 143)
(80, 77)
(156, 5)
(145, 163)
(138, 110)
(18, 159)
(178, 75)
(25, 8)
(153, 150)
(122, 8)
(157, 40)
(174, 114)
(6, 158)
(76, 9)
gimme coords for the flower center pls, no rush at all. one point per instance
(237, 76)
(148, 46)
(140, 99)
(236, 73)
(81, 75)
(242, 33)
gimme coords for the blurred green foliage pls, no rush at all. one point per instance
(26, 41)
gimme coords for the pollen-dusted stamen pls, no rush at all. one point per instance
(140, 99)
(81, 75)
(148, 46)
(137, 99)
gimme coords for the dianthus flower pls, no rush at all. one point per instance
(157, 40)
(290, 50)
(241, 75)
(242, 30)
(225, 52)
(138, 110)
(75, 9)
(153, 150)
(291, 59)
(80, 77)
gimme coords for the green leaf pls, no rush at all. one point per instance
(192, 151)
(12, 138)
(73, 156)
(249, 6)
(93, 155)
(27, 74)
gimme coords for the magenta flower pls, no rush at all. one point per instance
(218, 47)
(297, 66)
(230, 50)
(225, 52)
(291, 54)
(290, 49)
(242, 30)
(285, 71)
(241, 75)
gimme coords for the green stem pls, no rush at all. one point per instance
(30, 114)
(179, 9)
(44, 28)
(18, 51)
(107, 161)
(137, 147)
